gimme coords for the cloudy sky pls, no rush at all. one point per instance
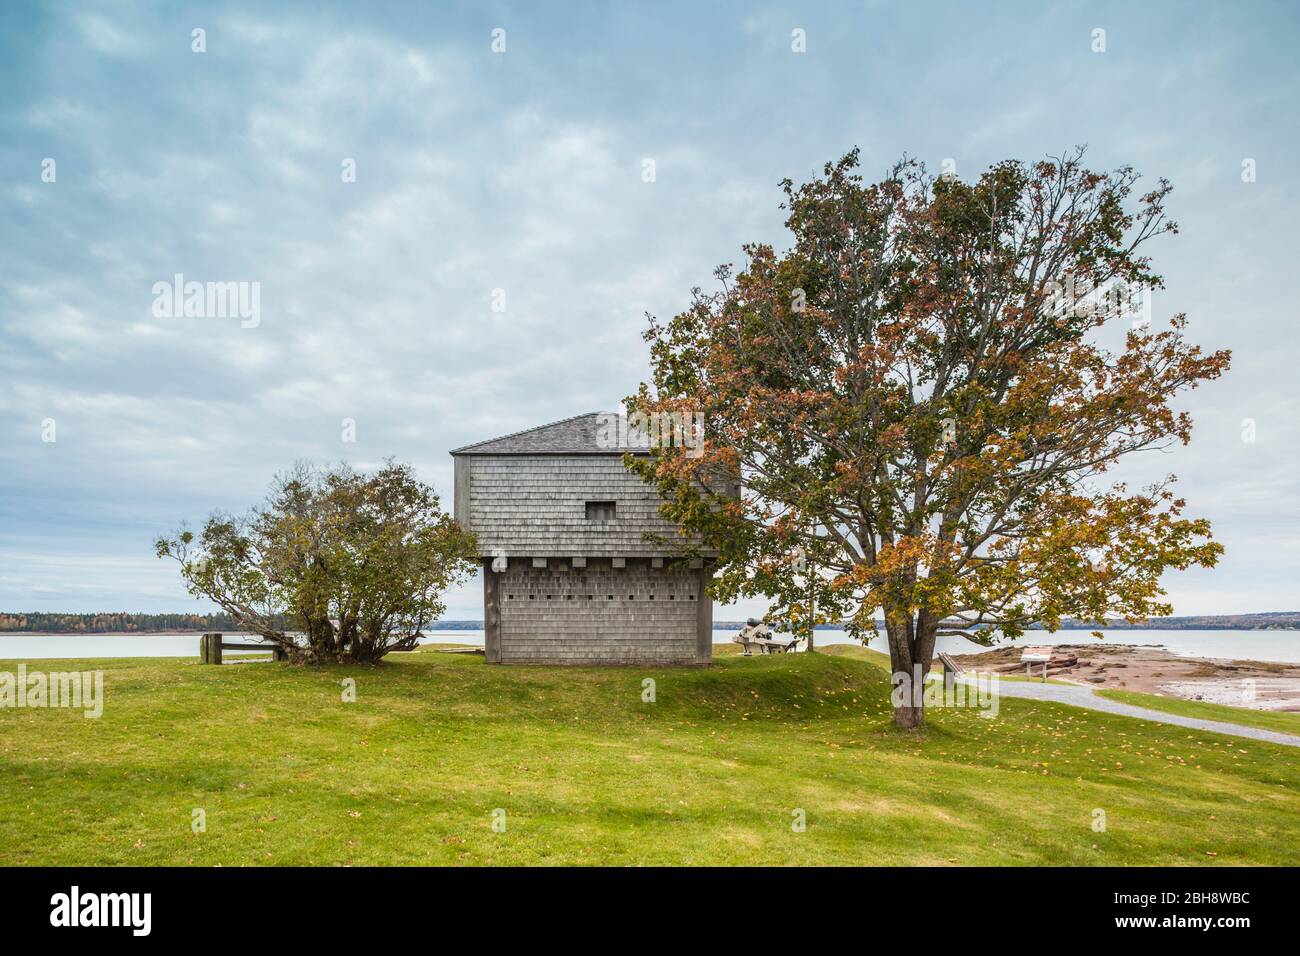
(522, 171)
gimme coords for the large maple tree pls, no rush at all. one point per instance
(917, 398)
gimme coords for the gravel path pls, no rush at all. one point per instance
(1084, 697)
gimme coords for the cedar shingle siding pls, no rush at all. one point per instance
(598, 613)
(537, 505)
(576, 589)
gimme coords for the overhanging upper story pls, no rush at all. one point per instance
(560, 490)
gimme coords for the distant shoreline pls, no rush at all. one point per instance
(453, 626)
(1272, 646)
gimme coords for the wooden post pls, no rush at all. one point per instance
(210, 649)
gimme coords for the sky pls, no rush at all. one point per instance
(489, 265)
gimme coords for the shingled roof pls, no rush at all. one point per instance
(572, 436)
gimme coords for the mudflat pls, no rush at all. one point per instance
(1261, 685)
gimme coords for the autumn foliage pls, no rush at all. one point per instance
(917, 398)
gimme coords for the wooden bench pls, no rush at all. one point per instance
(211, 646)
(951, 669)
(1036, 655)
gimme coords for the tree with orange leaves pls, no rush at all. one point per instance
(921, 412)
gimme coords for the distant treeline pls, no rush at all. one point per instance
(114, 622)
(125, 622)
(1262, 621)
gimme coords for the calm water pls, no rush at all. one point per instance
(1281, 646)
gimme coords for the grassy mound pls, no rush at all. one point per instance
(714, 771)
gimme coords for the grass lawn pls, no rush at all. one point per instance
(588, 773)
(1281, 721)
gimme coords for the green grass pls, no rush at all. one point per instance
(588, 773)
(1281, 721)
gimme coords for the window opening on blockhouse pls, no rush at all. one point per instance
(601, 510)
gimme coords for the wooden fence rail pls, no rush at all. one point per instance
(211, 646)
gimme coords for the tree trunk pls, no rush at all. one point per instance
(909, 717)
(911, 647)
(812, 607)
(927, 627)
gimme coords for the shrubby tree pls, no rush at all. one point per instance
(335, 565)
(918, 399)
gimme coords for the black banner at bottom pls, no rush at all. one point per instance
(334, 906)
